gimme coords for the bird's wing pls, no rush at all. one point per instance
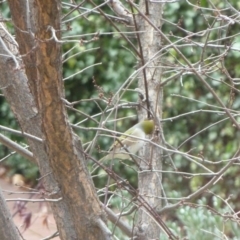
(132, 144)
(127, 140)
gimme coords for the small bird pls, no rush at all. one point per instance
(130, 145)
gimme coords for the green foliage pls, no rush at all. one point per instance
(215, 137)
(123, 205)
(201, 222)
(17, 164)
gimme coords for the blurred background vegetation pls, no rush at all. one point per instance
(117, 62)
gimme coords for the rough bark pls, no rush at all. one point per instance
(65, 153)
(22, 15)
(14, 85)
(60, 158)
(150, 181)
(7, 227)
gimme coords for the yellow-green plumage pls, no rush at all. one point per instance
(132, 144)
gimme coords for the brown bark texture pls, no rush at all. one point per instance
(60, 156)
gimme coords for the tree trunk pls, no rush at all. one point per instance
(149, 179)
(7, 228)
(60, 156)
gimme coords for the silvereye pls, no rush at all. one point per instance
(130, 145)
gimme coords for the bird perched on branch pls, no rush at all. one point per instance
(131, 141)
